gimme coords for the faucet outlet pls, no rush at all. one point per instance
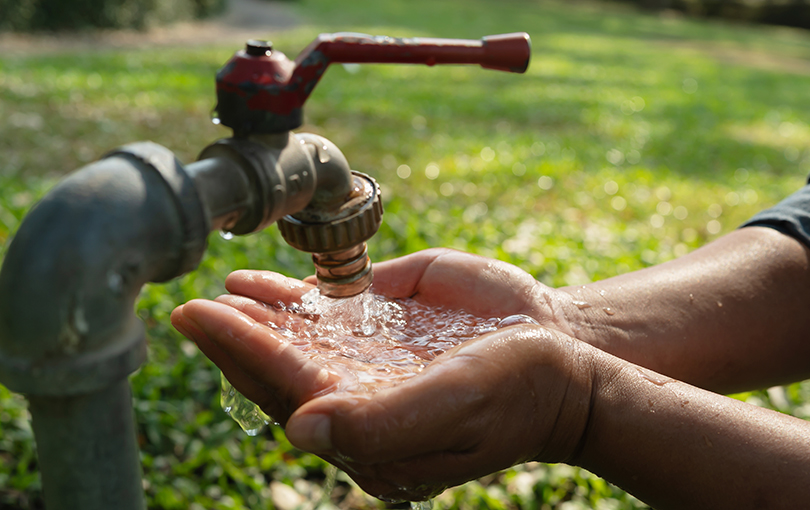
(343, 273)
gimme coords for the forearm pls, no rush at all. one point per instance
(729, 316)
(677, 446)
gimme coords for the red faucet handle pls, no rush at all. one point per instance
(261, 91)
(507, 52)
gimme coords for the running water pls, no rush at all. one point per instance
(373, 342)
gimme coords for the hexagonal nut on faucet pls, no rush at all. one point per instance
(337, 238)
(352, 223)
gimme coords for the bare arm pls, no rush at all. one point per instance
(677, 446)
(732, 315)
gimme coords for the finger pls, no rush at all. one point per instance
(416, 480)
(413, 480)
(259, 311)
(266, 286)
(261, 353)
(238, 379)
(393, 492)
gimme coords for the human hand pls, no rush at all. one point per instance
(454, 422)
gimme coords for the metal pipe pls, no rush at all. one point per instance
(224, 188)
(260, 179)
(68, 333)
(87, 450)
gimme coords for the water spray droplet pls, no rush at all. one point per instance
(115, 282)
(517, 319)
(582, 304)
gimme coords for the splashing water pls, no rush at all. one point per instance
(373, 342)
(248, 415)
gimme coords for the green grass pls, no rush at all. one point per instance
(633, 139)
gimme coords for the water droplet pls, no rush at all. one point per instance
(244, 412)
(352, 68)
(115, 281)
(582, 304)
(226, 235)
(609, 311)
(422, 505)
(657, 379)
(517, 319)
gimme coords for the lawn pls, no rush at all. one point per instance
(632, 139)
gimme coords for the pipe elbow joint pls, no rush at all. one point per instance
(333, 175)
(75, 267)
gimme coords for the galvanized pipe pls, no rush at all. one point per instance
(69, 337)
(87, 450)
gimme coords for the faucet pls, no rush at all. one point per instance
(72, 274)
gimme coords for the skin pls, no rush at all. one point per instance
(586, 386)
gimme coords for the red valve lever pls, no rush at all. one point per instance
(508, 52)
(260, 91)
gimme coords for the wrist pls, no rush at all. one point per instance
(606, 380)
(555, 309)
(577, 363)
(596, 317)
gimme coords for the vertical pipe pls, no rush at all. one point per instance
(87, 450)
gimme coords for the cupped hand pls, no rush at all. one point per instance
(516, 394)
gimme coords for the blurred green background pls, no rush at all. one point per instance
(23, 15)
(634, 138)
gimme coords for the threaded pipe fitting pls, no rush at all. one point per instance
(343, 273)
